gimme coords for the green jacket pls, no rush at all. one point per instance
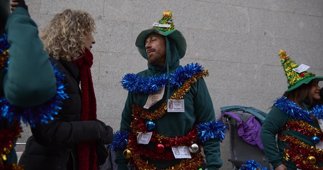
(29, 80)
(272, 126)
(198, 108)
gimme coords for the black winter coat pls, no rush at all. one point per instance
(53, 146)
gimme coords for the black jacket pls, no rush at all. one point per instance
(53, 146)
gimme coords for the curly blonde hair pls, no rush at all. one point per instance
(64, 37)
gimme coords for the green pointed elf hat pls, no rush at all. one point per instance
(297, 75)
(165, 27)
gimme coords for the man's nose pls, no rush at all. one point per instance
(147, 45)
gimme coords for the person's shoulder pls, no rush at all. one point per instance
(276, 111)
(144, 73)
(19, 14)
(58, 65)
(55, 62)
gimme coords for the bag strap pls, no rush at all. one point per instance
(234, 116)
(260, 115)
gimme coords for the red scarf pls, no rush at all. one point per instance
(87, 151)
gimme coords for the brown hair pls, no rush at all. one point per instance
(64, 36)
(301, 94)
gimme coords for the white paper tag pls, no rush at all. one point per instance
(154, 98)
(175, 105)
(320, 144)
(181, 152)
(144, 138)
(156, 24)
(320, 121)
(301, 68)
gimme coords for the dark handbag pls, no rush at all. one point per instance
(109, 163)
(102, 153)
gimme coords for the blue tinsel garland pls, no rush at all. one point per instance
(4, 44)
(148, 85)
(296, 112)
(211, 130)
(120, 140)
(38, 114)
(252, 165)
(206, 131)
(318, 111)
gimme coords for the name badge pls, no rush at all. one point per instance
(181, 152)
(175, 105)
(144, 138)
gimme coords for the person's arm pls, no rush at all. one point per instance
(29, 80)
(204, 110)
(124, 126)
(275, 120)
(60, 133)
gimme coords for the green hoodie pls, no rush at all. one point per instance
(198, 108)
(29, 80)
(274, 148)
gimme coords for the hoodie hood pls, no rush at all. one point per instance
(175, 42)
(175, 48)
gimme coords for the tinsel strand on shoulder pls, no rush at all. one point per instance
(135, 83)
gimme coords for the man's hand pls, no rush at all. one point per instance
(17, 3)
(281, 167)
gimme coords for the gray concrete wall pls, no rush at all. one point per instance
(236, 40)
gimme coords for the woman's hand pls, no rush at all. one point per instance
(15, 3)
(281, 167)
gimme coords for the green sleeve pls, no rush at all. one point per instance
(205, 113)
(30, 79)
(275, 120)
(126, 114)
(124, 126)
